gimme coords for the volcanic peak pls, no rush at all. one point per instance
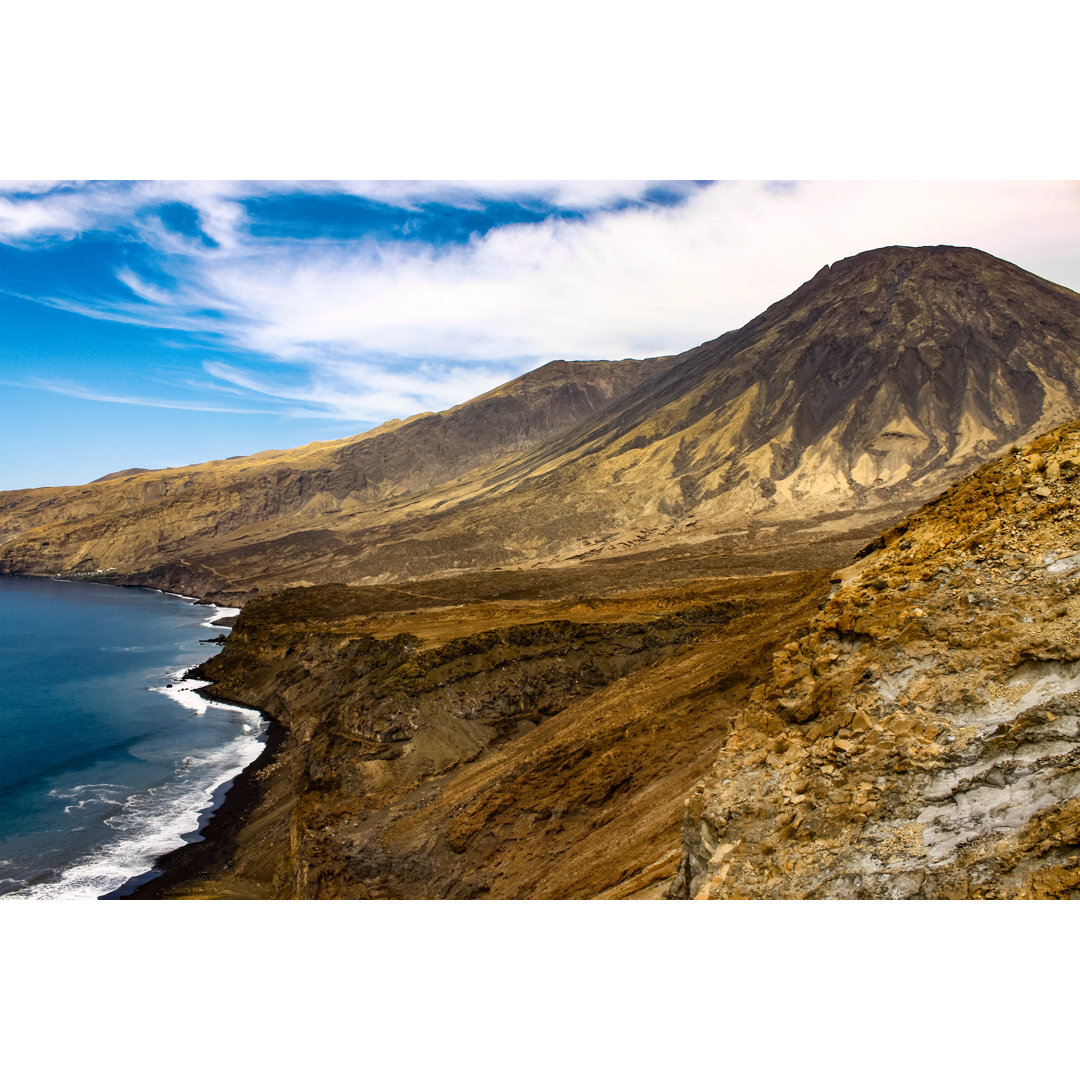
(872, 386)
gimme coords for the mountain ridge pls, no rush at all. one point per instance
(874, 384)
(222, 495)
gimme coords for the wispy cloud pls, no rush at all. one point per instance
(355, 390)
(167, 315)
(74, 390)
(364, 329)
(38, 212)
(44, 211)
(569, 194)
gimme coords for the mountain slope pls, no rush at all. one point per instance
(881, 376)
(871, 387)
(141, 517)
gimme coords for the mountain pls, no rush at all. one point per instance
(867, 390)
(877, 378)
(137, 519)
(921, 738)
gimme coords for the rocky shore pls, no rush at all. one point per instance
(221, 832)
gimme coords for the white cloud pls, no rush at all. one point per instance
(380, 329)
(71, 389)
(47, 214)
(36, 211)
(645, 280)
(352, 390)
(569, 194)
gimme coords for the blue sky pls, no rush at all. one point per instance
(162, 323)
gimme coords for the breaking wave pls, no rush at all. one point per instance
(148, 824)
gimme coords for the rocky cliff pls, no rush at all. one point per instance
(922, 738)
(865, 392)
(515, 734)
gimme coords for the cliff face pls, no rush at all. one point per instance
(869, 389)
(502, 735)
(923, 738)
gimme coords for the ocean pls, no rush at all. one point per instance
(108, 757)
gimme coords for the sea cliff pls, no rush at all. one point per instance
(458, 740)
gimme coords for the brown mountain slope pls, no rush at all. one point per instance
(136, 519)
(922, 739)
(857, 397)
(883, 373)
(869, 388)
(514, 734)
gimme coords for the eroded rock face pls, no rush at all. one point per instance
(378, 726)
(490, 736)
(923, 739)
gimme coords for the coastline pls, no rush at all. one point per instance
(232, 797)
(214, 839)
(219, 826)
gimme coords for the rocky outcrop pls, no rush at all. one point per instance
(923, 738)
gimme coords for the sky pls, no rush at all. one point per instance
(161, 323)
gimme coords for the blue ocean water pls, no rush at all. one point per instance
(107, 756)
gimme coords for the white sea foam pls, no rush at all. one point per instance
(220, 613)
(153, 822)
(84, 795)
(150, 823)
(186, 692)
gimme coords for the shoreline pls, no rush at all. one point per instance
(207, 844)
(218, 829)
(212, 841)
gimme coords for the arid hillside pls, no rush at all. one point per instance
(138, 518)
(921, 738)
(873, 386)
(515, 734)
